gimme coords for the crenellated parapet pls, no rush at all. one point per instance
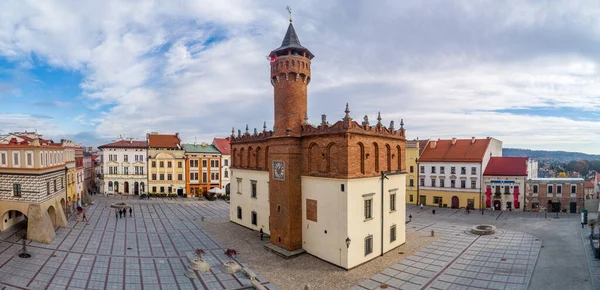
(250, 137)
(347, 125)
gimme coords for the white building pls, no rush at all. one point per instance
(451, 171)
(222, 144)
(124, 167)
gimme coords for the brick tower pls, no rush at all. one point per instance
(290, 75)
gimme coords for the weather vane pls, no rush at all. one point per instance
(289, 10)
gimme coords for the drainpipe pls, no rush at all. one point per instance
(382, 208)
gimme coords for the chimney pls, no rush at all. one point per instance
(453, 141)
(472, 140)
(433, 144)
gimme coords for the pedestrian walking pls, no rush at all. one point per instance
(116, 213)
(130, 211)
(120, 213)
(84, 217)
(261, 234)
(421, 206)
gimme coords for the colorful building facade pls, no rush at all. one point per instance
(125, 167)
(203, 164)
(166, 163)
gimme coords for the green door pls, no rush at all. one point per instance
(423, 200)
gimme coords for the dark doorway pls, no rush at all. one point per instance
(553, 206)
(573, 207)
(497, 205)
(180, 191)
(136, 188)
(455, 202)
(423, 200)
(126, 187)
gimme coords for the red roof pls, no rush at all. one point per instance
(463, 150)
(422, 145)
(125, 144)
(507, 166)
(588, 184)
(222, 145)
(164, 141)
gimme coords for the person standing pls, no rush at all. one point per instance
(116, 213)
(421, 206)
(130, 211)
(84, 217)
(261, 234)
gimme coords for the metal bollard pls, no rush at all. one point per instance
(201, 218)
(432, 233)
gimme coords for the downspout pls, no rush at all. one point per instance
(418, 180)
(480, 186)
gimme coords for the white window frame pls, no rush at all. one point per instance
(5, 155)
(27, 155)
(393, 200)
(16, 162)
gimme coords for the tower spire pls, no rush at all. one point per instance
(289, 10)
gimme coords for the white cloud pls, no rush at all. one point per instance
(198, 67)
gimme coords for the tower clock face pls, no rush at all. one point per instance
(278, 170)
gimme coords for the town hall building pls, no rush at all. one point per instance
(336, 191)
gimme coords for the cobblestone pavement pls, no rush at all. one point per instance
(461, 260)
(147, 251)
(593, 263)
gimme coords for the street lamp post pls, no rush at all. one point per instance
(418, 179)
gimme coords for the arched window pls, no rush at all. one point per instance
(313, 157)
(257, 157)
(234, 158)
(376, 153)
(389, 157)
(362, 157)
(331, 153)
(242, 157)
(250, 159)
(399, 153)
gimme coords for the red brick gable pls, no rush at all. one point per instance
(507, 166)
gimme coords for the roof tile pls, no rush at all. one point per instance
(507, 166)
(464, 150)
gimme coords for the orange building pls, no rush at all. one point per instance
(202, 162)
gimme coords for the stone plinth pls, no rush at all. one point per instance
(39, 225)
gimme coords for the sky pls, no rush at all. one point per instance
(524, 72)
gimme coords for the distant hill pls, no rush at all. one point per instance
(557, 156)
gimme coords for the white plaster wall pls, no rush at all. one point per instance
(225, 180)
(494, 150)
(518, 181)
(131, 178)
(532, 169)
(260, 204)
(447, 175)
(358, 228)
(332, 213)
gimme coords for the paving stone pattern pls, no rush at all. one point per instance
(593, 263)
(147, 251)
(461, 260)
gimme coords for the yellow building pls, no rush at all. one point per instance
(166, 162)
(70, 175)
(203, 164)
(414, 149)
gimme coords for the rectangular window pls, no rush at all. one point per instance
(137, 158)
(506, 189)
(573, 188)
(48, 187)
(558, 189)
(422, 169)
(442, 182)
(169, 164)
(432, 169)
(393, 202)
(153, 163)
(412, 169)
(463, 170)
(162, 176)
(535, 188)
(422, 181)
(204, 163)
(153, 176)
(162, 189)
(442, 170)
(161, 164)
(179, 176)
(179, 164)
(16, 189)
(368, 245)
(55, 185)
(226, 161)
(410, 197)
(437, 200)
(226, 173)
(126, 158)
(3, 160)
(473, 184)
(141, 157)
(368, 209)
(254, 218)
(463, 184)
(62, 182)
(550, 189)
(452, 183)
(253, 186)
(393, 234)
(204, 177)
(16, 159)
(154, 189)
(239, 184)
(473, 170)
(169, 176)
(433, 182)
(191, 176)
(452, 170)
(126, 170)
(411, 182)
(29, 159)
(239, 212)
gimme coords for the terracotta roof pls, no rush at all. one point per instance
(464, 150)
(588, 184)
(222, 145)
(507, 166)
(164, 141)
(422, 145)
(125, 144)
